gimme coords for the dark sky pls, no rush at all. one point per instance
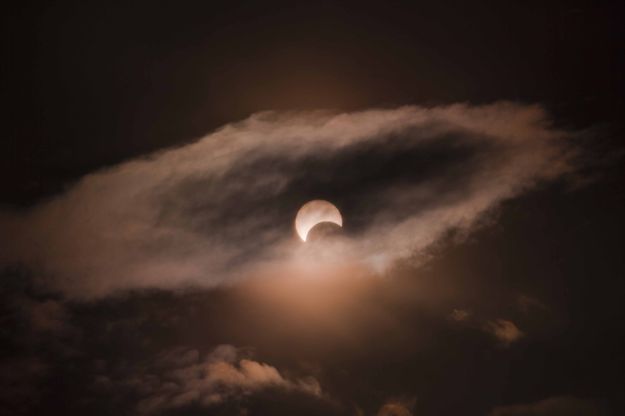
(89, 86)
(138, 77)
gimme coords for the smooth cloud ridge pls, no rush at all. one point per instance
(219, 209)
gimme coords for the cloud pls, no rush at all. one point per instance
(49, 316)
(21, 379)
(505, 331)
(219, 209)
(528, 304)
(459, 315)
(181, 378)
(555, 406)
(397, 408)
(35, 332)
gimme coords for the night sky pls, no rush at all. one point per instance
(155, 156)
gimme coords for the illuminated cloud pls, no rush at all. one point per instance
(180, 378)
(396, 408)
(505, 331)
(220, 209)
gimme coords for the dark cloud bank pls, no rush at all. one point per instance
(169, 284)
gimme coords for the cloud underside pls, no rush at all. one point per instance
(222, 208)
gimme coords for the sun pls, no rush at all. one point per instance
(313, 213)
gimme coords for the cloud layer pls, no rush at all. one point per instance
(222, 208)
(180, 378)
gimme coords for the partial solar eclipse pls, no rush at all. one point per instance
(313, 213)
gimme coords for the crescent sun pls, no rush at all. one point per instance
(313, 213)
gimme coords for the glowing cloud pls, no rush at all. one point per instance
(219, 209)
